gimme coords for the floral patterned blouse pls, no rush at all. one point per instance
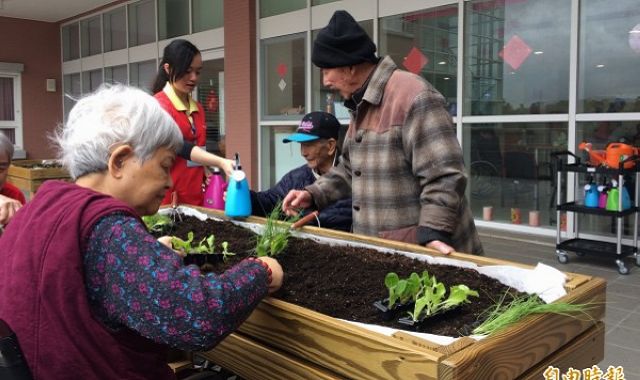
(135, 282)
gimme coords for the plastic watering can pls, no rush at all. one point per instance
(602, 198)
(238, 204)
(214, 193)
(611, 156)
(591, 195)
(614, 196)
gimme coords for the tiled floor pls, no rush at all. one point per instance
(622, 339)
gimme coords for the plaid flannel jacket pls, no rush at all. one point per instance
(402, 163)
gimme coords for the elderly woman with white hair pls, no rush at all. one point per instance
(89, 293)
(11, 198)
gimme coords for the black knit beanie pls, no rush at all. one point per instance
(342, 42)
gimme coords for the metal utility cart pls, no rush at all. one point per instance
(582, 246)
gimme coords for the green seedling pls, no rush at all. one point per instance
(401, 290)
(504, 314)
(206, 245)
(275, 236)
(431, 299)
(225, 251)
(157, 222)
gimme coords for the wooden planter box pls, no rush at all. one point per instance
(284, 341)
(29, 179)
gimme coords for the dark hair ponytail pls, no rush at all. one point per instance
(178, 54)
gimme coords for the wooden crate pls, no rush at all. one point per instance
(290, 340)
(28, 179)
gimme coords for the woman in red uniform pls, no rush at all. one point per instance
(11, 198)
(177, 77)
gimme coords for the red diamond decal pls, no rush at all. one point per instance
(515, 52)
(415, 60)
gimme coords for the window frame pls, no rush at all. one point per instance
(14, 71)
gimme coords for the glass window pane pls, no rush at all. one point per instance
(91, 80)
(510, 169)
(142, 74)
(70, 42)
(516, 57)
(90, 36)
(207, 14)
(173, 18)
(142, 24)
(327, 100)
(608, 62)
(115, 29)
(115, 74)
(72, 91)
(276, 7)
(278, 158)
(600, 134)
(7, 111)
(283, 89)
(425, 43)
(319, 2)
(211, 96)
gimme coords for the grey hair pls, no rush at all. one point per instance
(6, 146)
(113, 115)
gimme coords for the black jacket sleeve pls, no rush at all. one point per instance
(337, 216)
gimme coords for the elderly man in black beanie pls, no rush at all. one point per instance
(401, 162)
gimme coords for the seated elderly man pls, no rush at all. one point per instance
(11, 198)
(98, 296)
(318, 135)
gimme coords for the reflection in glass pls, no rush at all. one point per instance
(142, 27)
(516, 57)
(142, 74)
(608, 78)
(91, 80)
(211, 96)
(324, 99)
(115, 29)
(115, 74)
(278, 158)
(90, 36)
(275, 7)
(425, 43)
(173, 18)
(207, 14)
(511, 170)
(71, 90)
(320, 2)
(71, 42)
(283, 87)
(7, 110)
(601, 133)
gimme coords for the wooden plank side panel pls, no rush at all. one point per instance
(580, 353)
(23, 172)
(348, 350)
(252, 360)
(510, 353)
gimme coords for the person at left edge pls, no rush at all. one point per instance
(177, 77)
(91, 294)
(11, 198)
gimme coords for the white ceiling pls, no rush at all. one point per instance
(48, 10)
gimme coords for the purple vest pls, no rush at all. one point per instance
(43, 296)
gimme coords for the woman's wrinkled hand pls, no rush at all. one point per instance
(276, 273)
(166, 241)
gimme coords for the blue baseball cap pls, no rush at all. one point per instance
(314, 126)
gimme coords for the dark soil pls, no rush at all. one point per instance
(344, 282)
